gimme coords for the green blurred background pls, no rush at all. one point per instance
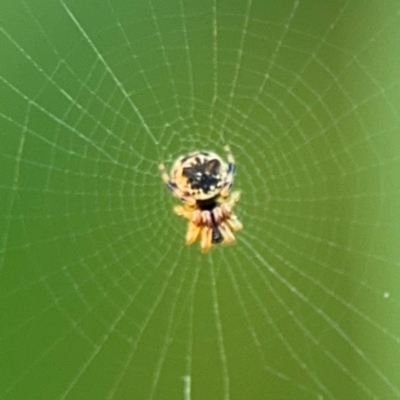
(100, 299)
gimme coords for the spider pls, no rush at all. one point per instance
(202, 181)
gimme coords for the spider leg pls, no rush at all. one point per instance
(193, 233)
(164, 173)
(234, 224)
(194, 225)
(206, 239)
(227, 234)
(235, 196)
(224, 211)
(231, 172)
(183, 212)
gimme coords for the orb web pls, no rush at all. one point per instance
(100, 295)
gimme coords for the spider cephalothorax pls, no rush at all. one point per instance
(202, 181)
